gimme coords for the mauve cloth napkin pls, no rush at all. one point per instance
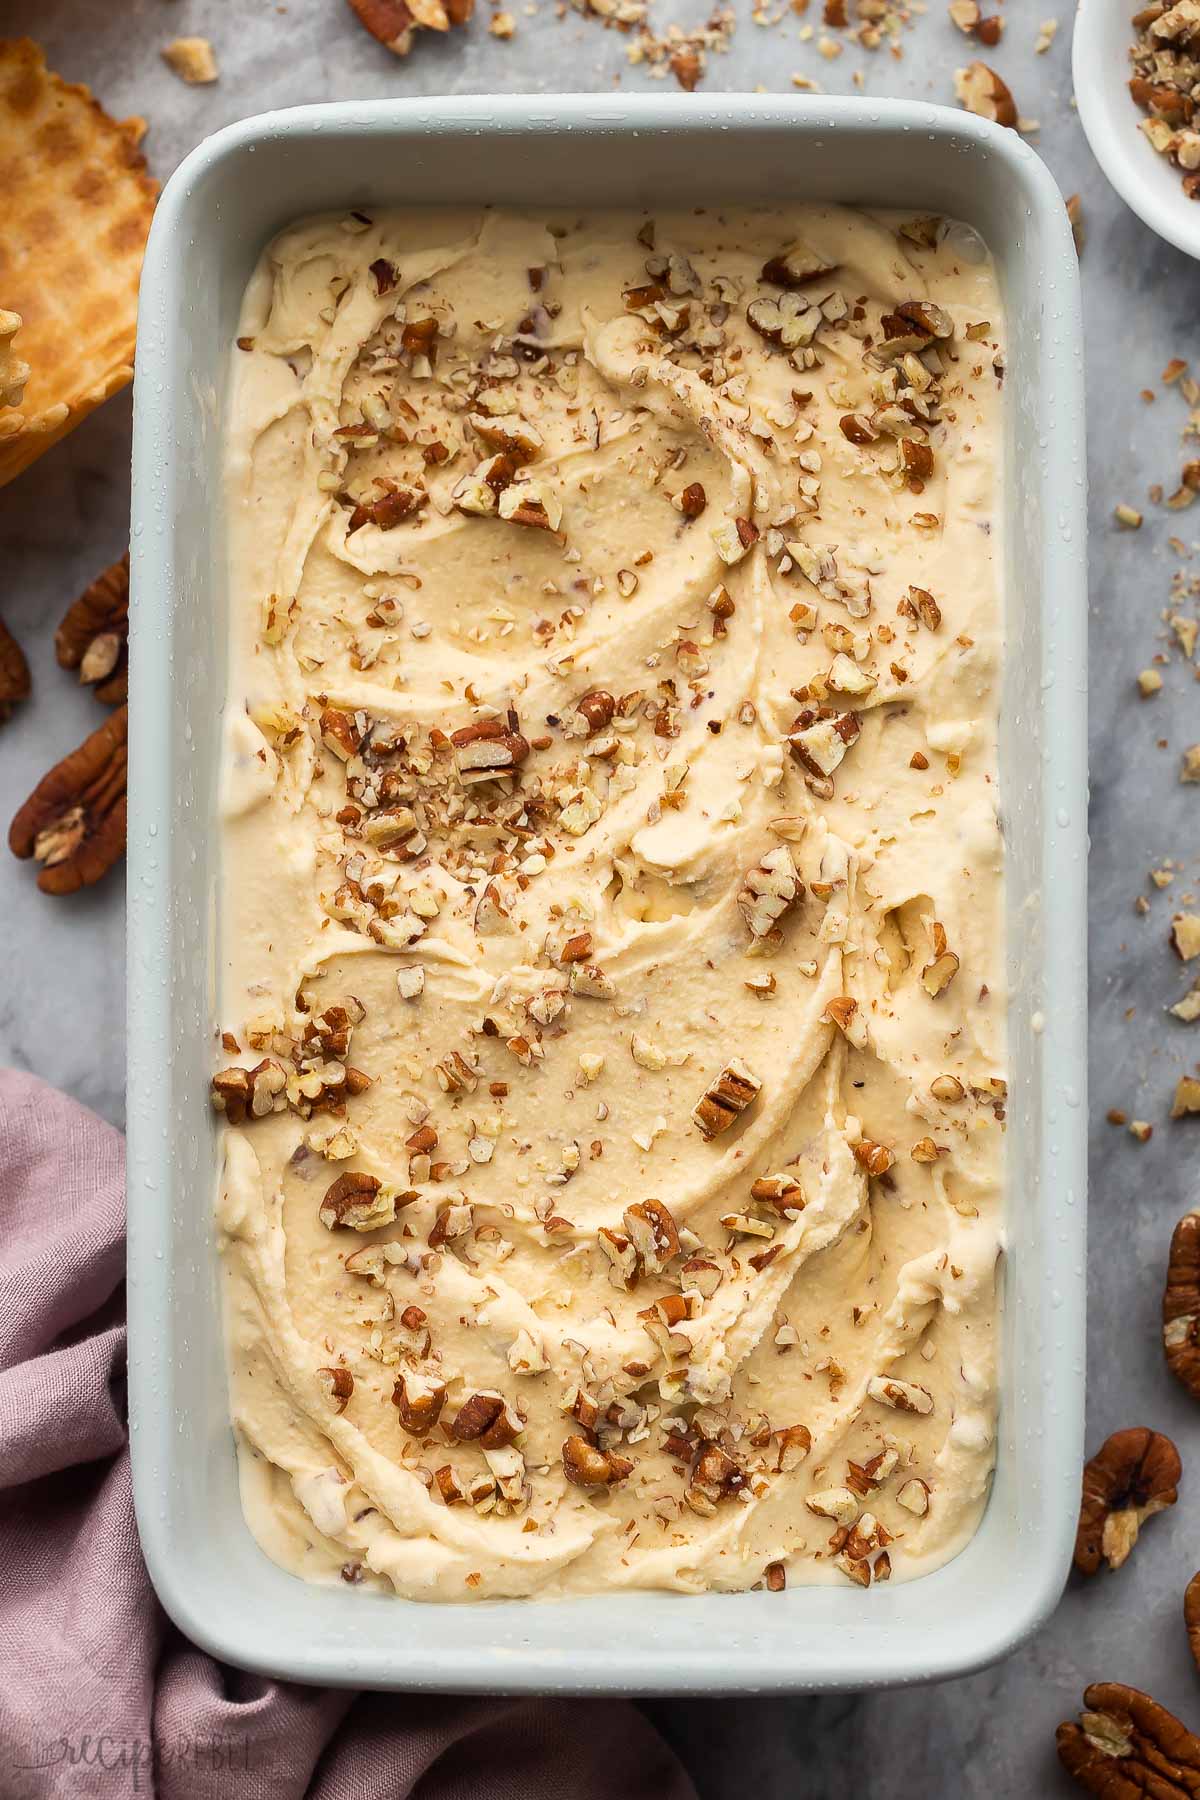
(99, 1694)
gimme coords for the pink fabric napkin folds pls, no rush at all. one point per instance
(99, 1694)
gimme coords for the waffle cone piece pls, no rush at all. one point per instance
(75, 209)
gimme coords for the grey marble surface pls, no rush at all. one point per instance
(61, 966)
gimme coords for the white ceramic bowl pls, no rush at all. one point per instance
(211, 223)
(1146, 181)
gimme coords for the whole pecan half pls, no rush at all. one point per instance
(1132, 1476)
(94, 635)
(1191, 1616)
(1125, 1746)
(73, 823)
(14, 672)
(1181, 1304)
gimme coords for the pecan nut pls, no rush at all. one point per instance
(419, 1403)
(1181, 1304)
(489, 1418)
(243, 1094)
(735, 1088)
(94, 635)
(1132, 1476)
(359, 1201)
(1125, 1745)
(73, 823)
(389, 508)
(585, 1466)
(653, 1233)
(1191, 1616)
(14, 673)
(338, 1382)
(982, 92)
(392, 22)
(489, 748)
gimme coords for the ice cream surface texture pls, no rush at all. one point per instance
(611, 921)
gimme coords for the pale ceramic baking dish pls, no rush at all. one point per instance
(216, 213)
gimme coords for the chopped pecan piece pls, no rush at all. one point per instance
(370, 1263)
(715, 1474)
(794, 1444)
(937, 974)
(1125, 1745)
(693, 500)
(769, 889)
(788, 321)
(489, 748)
(875, 1158)
(392, 22)
(419, 1403)
(1191, 1616)
(454, 1220)
(914, 325)
(819, 743)
(781, 1191)
(905, 1396)
(340, 1383)
(94, 635)
(488, 1418)
(74, 821)
(586, 1466)
(914, 1497)
(925, 607)
(734, 1089)
(622, 1257)
(1132, 1476)
(653, 1234)
(508, 434)
(340, 733)
(857, 428)
(393, 504)
(1181, 1304)
(419, 338)
(14, 673)
(701, 1276)
(796, 267)
(447, 1484)
(526, 504)
(916, 464)
(981, 91)
(867, 1535)
(358, 1201)
(686, 64)
(243, 1094)
(597, 709)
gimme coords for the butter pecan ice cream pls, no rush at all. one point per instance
(611, 925)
